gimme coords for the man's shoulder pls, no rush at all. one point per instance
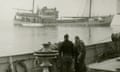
(70, 42)
(67, 42)
(82, 42)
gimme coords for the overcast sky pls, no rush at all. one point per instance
(65, 7)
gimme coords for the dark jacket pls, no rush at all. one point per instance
(66, 54)
(66, 48)
(80, 55)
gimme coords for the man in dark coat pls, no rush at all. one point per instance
(80, 54)
(66, 53)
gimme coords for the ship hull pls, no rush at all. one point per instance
(31, 24)
(64, 23)
(20, 23)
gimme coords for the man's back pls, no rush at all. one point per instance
(66, 54)
(67, 48)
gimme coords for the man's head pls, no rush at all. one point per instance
(45, 45)
(66, 37)
(77, 38)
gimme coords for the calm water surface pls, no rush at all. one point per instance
(18, 40)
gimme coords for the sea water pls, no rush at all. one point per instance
(19, 40)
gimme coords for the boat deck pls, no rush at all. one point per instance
(28, 62)
(110, 65)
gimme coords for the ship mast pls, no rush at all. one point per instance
(90, 9)
(33, 6)
(89, 17)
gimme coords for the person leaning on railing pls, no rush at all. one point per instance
(80, 54)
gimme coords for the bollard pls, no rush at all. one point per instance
(46, 54)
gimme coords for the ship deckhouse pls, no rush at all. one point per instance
(45, 15)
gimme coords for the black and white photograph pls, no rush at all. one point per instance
(59, 35)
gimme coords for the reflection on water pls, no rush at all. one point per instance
(32, 38)
(18, 40)
(88, 35)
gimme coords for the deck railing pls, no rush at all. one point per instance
(94, 54)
